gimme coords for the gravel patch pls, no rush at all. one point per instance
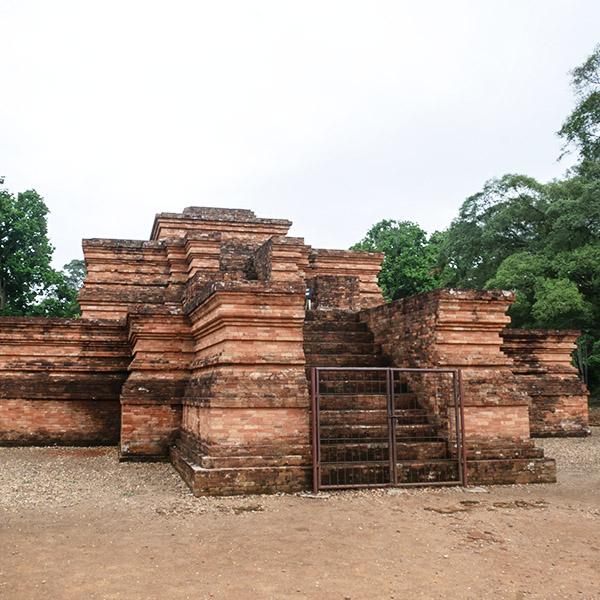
(62, 477)
(576, 455)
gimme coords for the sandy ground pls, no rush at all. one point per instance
(76, 524)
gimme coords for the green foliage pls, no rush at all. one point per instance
(506, 217)
(593, 360)
(573, 210)
(28, 283)
(582, 127)
(559, 304)
(74, 273)
(520, 272)
(25, 252)
(60, 296)
(410, 263)
(540, 240)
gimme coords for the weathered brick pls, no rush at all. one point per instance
(558, 400)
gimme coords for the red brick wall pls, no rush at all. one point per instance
(60, 380)
(335, 292)
(364, 266)
(72, 422)
(231, 223)
(227, 430)
(122, 275)
(497, 422)
(148, 430)
(162, 349)
(246, 403)
(248, 394)
(543, 366)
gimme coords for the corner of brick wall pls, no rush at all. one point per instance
(542, 364)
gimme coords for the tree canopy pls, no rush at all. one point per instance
(410, 263)
(28, 283)
(582, 127)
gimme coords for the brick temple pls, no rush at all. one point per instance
(197, 346)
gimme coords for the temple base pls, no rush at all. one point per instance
(511, 471)
(239, 480)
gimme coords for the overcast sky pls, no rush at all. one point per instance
(332, 114)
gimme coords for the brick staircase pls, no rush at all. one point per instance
(336, 338)
(353, 419)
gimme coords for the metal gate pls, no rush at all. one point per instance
(378, 427)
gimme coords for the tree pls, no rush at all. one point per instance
(410, 263)
(520, 272)
(28, 283)
(506, 217)
(582, 127)
(74, 273)
(540, 240)
(25, 252)
(60, 296)
(559, 305)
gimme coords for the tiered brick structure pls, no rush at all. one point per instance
(196, 345)
(462, 329)
(558, 400)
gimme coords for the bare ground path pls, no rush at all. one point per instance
(74, 524)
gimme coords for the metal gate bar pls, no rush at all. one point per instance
(343, 389)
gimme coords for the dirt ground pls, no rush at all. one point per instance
(76, 524)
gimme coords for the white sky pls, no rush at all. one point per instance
(332, 114)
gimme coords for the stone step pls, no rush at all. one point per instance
(353, 402)
(364, 401)
(379, 451)
(349, 337)
(345, 360)
(341, 433)
(371, 416)
(235, 462)
(373, 473)
(357, 452)
(336, 315)
(376, 473)
(421, 450)
(406, 401)
(411, 416)
(506, 451)
(356, 385)
(335, 326)
(429, 471)
(420, 431)
(353, 417)
(324, 346)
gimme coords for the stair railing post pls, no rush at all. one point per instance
(391, 425)
(461, 404)
(316, 450)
